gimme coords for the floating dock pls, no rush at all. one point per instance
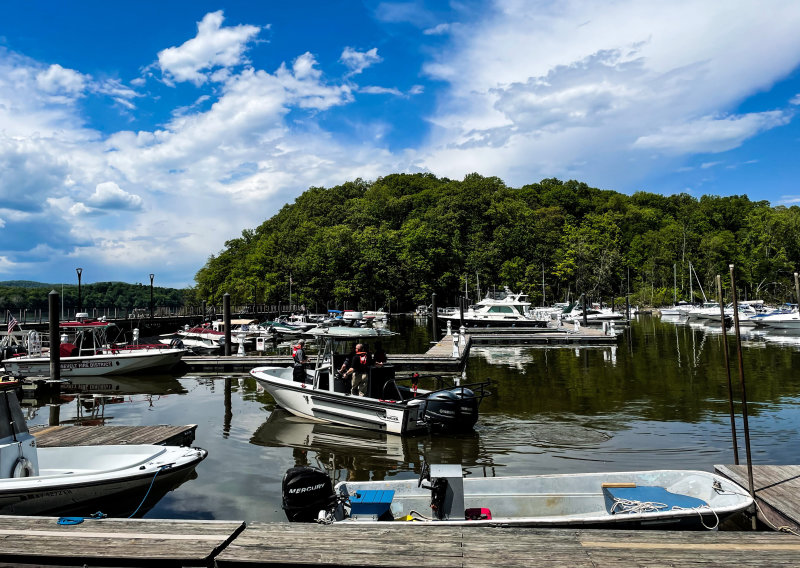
(51, 436)
(777, 489)
(441, 357)
(41, 541)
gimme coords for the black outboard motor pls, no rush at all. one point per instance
(306, 491)
(452, 410)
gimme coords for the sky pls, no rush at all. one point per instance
(137, 137)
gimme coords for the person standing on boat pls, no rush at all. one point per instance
(379, 358)
(359, 367)
(300, 358)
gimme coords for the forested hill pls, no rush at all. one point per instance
(404, 236)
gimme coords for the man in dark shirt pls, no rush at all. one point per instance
(359, 365)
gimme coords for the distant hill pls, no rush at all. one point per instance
(25, 284)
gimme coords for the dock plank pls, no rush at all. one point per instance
(53, 436)
(114, 542)
(776, 487)
(399, 545)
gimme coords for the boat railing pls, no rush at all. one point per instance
(479, 389)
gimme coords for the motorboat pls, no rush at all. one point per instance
(197, 343)
(780, 320)
(507, 309)
(392, 404)
(681, 309)
(88, 348)
(118, 480)
(442, 496)
(594, 314)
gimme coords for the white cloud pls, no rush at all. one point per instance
(710, 134)
(58, 80)
(439, 29)
(357, 61)
(108, 195)
(212, 47)
(789, 199)
(587, 90)
(375, 90)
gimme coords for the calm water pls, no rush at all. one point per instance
(656, 400)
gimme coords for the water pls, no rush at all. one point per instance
(656, 400)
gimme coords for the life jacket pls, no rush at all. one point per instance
(295, 349)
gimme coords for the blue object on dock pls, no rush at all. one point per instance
(651, 494)
(371, 502)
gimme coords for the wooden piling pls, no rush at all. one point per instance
(727, 370)
(434, 318)
(55, 339)
(226, 319)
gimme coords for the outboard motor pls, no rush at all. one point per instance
(306, 491)
(454, 410)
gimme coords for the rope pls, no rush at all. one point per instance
(634, 507)
(163, 467)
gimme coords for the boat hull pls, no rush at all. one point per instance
(568, 500)
(475, 322)
(120, 363)
(301, 399)
(64, 488)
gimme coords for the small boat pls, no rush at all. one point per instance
(442, 496)
(393, 405)
(88, 348)
(118, 480)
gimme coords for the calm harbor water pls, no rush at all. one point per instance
(656, 400)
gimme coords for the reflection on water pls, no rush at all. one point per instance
(658, 399)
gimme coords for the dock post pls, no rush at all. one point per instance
(55, 411)
(226, 321)
(585, 322)
(627, 307)
(461, 301)
(727, 370)
(744, 392)
(797, 289)
(434, 318)
(55, 339)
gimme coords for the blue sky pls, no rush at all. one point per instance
(137, 137)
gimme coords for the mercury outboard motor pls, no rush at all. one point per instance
(306, 491)
(454, 410)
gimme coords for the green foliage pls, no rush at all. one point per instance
(100, 294)
(395, 241)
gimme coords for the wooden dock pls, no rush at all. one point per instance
(401, 546)
(777, 490)
(41, 541)
(50, 436)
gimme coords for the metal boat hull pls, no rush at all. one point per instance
(567, 500)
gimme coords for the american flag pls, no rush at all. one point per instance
(12, 323)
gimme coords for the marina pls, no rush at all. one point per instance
(556, 409)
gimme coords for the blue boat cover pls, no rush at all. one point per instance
(651, 494)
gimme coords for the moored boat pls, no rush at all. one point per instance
(442, 496)
(390, 404)
(118, 480)
(87, 348)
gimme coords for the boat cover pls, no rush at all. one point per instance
(657, 499)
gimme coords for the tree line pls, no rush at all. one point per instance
(395, 241)
(33, 295)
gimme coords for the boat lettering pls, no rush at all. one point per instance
(306, 489)
(56, 493)
(86, 365)
(388, 417)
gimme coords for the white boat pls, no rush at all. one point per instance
(82, 480)
(442, 496)
(87, 349)
(506, 310)
(784, 320)
(391, 405)
(594, 313)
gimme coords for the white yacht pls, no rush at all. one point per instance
(506, 310)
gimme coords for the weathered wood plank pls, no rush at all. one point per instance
(51, 436)
(777, 490)
(114, 542)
